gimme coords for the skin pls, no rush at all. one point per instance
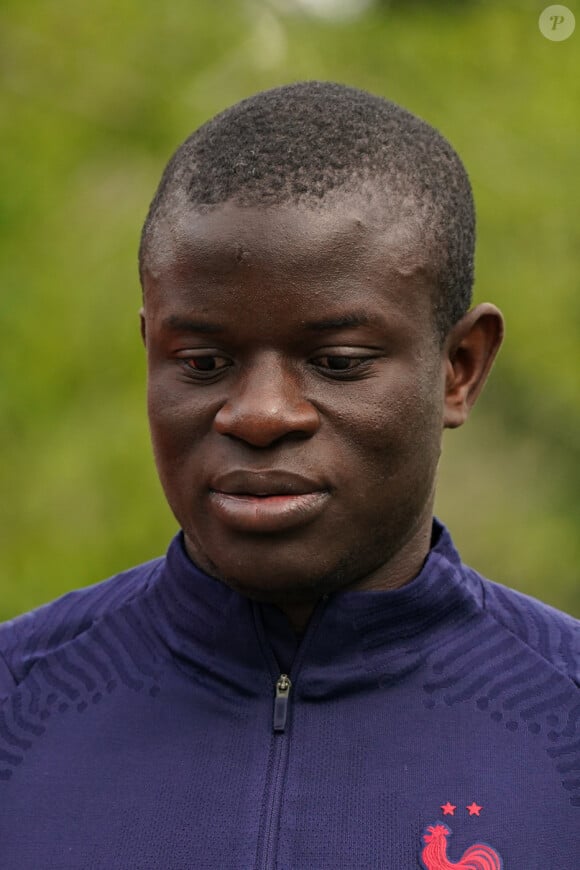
(279, 398)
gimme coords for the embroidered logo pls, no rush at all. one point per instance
(434, 853)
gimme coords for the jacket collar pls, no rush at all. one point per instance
(353, 636)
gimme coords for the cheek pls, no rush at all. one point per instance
(403, 419)
(175, 425)
(395, 450)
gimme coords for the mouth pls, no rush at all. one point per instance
(267, 512)
(249, 500)
(267, 483)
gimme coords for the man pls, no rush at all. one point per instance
(310, 678)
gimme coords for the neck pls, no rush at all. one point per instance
(394, 573)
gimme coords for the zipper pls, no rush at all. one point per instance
(276, 775)
(279, 740)
(281, 699)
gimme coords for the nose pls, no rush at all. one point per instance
(266, 404)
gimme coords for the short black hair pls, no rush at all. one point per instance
(299, 142)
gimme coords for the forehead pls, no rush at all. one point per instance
(350, 249)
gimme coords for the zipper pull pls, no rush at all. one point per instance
(283, 686)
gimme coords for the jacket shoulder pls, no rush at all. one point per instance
(33, 635)
(550, 632)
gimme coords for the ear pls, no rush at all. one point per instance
(470, 350)
(143, 327)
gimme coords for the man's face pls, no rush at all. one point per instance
(355, 409)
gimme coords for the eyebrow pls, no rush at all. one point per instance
(354, 318)
(183, 324)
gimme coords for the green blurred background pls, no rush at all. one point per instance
(95, 98)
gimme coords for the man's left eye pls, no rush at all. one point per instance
(343, 362)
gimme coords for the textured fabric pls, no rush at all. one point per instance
(434, 726)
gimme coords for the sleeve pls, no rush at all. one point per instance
(7, 681)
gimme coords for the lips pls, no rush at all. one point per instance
(266, 501)
(265, 483)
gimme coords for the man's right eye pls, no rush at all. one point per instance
(203, 364)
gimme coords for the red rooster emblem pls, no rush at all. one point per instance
(434, 854)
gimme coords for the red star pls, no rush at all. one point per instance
(448, 809)
(474, 809)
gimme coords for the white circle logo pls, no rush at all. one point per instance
(557, 23)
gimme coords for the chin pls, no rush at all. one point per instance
(300, 583)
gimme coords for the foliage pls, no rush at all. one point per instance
(94, 100)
